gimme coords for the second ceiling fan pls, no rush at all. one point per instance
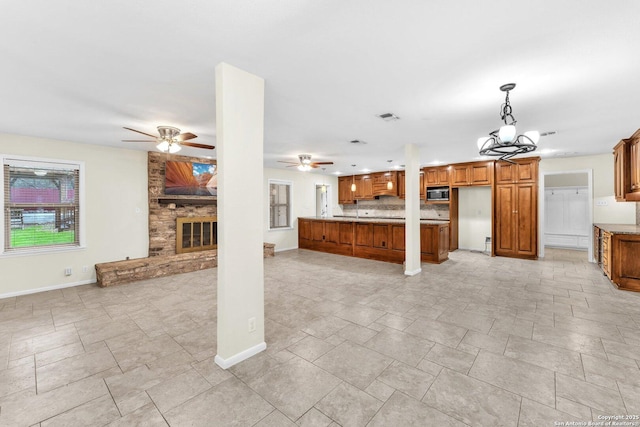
(305, 163)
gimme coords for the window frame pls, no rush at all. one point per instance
(42, 162)
(289, 204)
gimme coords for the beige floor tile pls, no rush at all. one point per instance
(147, 415)
(325, 326)
(608, 369)
(577, 410)
(409, 380)
(395, 322)
(177, 390)
(349, 406)
(42, 343)
(515, 376)
(16, 379)
(360, 314)
(60, 353)
(99, 411)
(432, 330)
(545, 355)
(534, 414)
(487, 342)
(588, 327)
(380, 390)
(230, 403)
(294, 387)
(310, 348)
(471, 401)
(355, 364)
(469, 320)
(630, 396)
(69, 370)
(402, 410)
(145, 351)
(213, 373)
(589, 394)
(570, 340)
(451, 358)
(356, 333)
(275, 419)
(314, 418)
(404, 347)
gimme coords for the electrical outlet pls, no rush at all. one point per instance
(602, 203)
(67, 271)
(85, 268)
(252, 324)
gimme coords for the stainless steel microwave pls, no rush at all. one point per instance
(438, 194)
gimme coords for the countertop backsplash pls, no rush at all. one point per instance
(392, 207)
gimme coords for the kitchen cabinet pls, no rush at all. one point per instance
(523, 170)
(469, 174)
(379, 240)
(597, 245)
(345, 195)
(626, 169)
(436, 176)
(401, 185)
(634, 166)
(381, 181)
(326, 236)
(619, 247)
(364, 187)
(515, 221)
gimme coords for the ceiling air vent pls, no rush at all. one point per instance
(388, 117)
(357, 141)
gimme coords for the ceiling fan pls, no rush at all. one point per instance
(170, 139)
(305, 163)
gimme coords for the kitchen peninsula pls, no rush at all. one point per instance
(382, 239)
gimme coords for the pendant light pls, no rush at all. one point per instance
(389, 183)
(323, 189)
(353, 179)
(505, 142)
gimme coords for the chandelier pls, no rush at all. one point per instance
(504, 142)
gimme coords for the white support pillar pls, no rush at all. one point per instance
(239, 142)
(412, 210)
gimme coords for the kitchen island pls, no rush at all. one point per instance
(616, 248)
(382, 239)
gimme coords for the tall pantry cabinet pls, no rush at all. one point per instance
(516, 208)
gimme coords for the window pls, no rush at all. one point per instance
(279, 204)
(41, 204)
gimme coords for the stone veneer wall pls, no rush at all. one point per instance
(162, 219)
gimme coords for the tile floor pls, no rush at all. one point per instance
(475, 341)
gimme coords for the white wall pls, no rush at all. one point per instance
(605, 209)
(116, 214)
(303, 202)
(474, 217)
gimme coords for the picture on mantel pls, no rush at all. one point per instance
(190, 179)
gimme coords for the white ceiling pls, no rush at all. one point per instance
(81, 70)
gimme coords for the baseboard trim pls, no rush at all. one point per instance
(412, 272)
(286, 249)
(237, 358)
(46, 288)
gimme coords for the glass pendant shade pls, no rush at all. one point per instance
(507, 133)
(163, 146)
(174, 148)
(389, 185)
(353, 186)
(533, 135)
(323, 189)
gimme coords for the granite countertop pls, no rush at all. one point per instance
(620, 228)
(376, 219)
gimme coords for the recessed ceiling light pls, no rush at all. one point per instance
(357, 141)
(365, 170)
(337, 172)
(388, 117)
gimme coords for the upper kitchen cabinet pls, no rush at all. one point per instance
(345, 195)
(401, 185)
(364, 187)
(626, 167)
(476, 173)
(436, 176)
(381, 182)
(521, 171)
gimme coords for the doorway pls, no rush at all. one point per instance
(566, 211)
(323, 195)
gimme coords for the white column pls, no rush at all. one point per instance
(412, 210)
(239, 142)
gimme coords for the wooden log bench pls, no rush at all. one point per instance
(131, 270)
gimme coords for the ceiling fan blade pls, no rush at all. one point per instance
(293, 166)
(321, 163)
(148, 134)
(185, 136)
(193, 144)
(137, 140)
(291, 163)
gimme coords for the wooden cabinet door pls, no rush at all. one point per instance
(481, 173)
(401, 184)
(443, 242)
(459, 175)
(332, 232)
(381, 183)
(621, 173)
(431, 177)
(364, 234)
(304, 229)
(634, 154)
(505, 173)
(346, 233)
(527, 170)
(380, 236)
(317, 231)
(345, 195)
(428, 238)
(505, 201)
(443, 175)
(526, 224)
(364, 187)
(423, 190)
(397, 237)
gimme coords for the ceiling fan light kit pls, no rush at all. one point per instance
(170, 139)
(505, 142)
(304, 163)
